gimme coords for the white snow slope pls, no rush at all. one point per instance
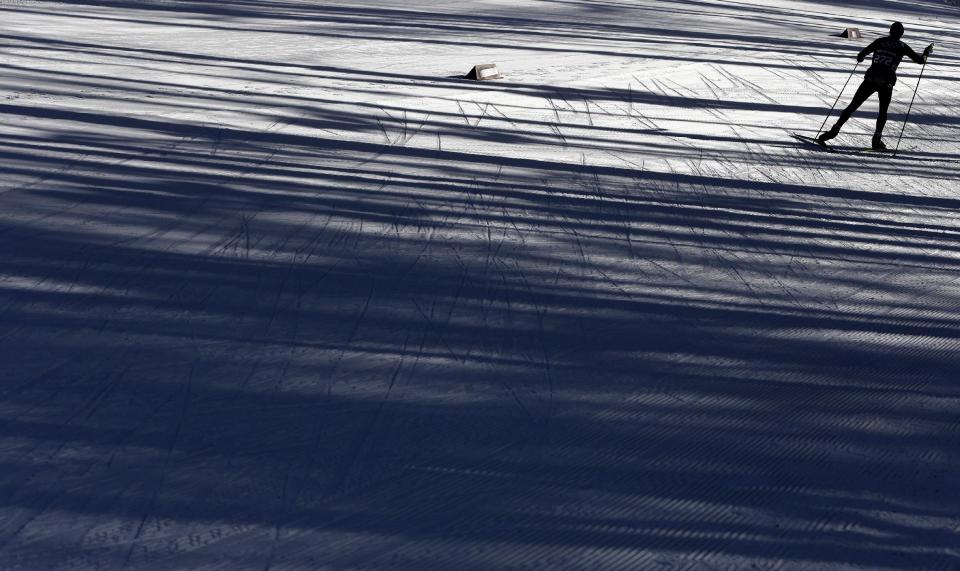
(279, 290)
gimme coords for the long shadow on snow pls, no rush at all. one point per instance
(287, 346)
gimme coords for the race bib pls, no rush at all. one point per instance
(884, 58)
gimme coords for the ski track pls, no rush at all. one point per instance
(279, 290)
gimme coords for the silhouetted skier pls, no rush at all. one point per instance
(880, 79)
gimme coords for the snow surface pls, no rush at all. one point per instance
(279, 290)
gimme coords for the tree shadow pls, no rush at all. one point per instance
(259, 346)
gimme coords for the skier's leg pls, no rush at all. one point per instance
(885, 94)
(865, 90)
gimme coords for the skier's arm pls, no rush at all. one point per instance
(918, 58)
(867, 50)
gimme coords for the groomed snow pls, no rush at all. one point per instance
(280, 290)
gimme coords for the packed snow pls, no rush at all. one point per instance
(279, 289)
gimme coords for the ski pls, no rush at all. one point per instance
(814, 142)
(810, 141)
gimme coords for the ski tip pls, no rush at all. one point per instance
(812, 141)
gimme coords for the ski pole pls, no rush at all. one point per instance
(923, 67)
(838, 99)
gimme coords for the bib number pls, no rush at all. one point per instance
(883, 58)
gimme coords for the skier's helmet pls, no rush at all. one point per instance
(896, 30)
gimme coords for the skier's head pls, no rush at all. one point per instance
(896, 30)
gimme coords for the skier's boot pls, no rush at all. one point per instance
(878, 144)
(827, 135)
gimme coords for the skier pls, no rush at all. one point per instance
(880, 79)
